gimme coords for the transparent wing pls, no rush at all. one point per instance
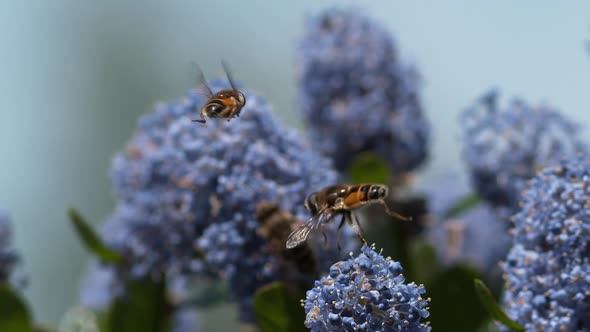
(228, 74)
(299, 235)
(204, 88)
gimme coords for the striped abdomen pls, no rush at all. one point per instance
(363, 194)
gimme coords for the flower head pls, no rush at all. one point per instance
(187, 193)
(466, 237)
(356, 95)
(8, 257)
(505, 147)
(366, 293)
(548, 269)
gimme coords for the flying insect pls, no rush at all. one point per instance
(225, 104)
(336, 200)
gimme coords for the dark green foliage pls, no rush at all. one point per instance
(368, 168)
(489, 303)
(143, 308)
(455, 304)
(14, 315)
(277, 310)
(91, 240)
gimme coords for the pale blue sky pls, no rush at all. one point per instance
(75, 76)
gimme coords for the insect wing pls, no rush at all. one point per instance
(300, 235)
(229, 75)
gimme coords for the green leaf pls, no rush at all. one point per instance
(14, 314)
(368, 167)
(91, 240)
(212, 293)
(462, 205)
(487, 300)
(277, 310)
(39, 328)
(454, 304)
(424, 261)
(143, 308)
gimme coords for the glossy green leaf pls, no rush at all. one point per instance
(14, 315)
(487, 300)
(462, 205)
(143, 308)
(368, 167)
(454, 304)
(91, 240)
(277, 310)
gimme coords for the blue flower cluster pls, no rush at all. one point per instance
(466, 237)
(505, 147)
(356, 95)
(366, 293)
(8, 257)
(187, 193)
(547, 271)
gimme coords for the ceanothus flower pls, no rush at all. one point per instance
(186, 320)
(505, 147)
(466, 237)
(356, 95)
(187, 193)
(8, 256)
(100, 286)
(547, 271)
(366, 293)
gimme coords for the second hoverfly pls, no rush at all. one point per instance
(225, 104)
(336, 200)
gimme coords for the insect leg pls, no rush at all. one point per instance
(356, 225)
(338, 233)
(202, 113)
(394, 214)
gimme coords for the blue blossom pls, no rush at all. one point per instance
(547, 271)
(100, 286)
(186, 320)
(466, 237)
(187, 193)
(8, 256)
(366, 293)
(505, 147)
(356, 95)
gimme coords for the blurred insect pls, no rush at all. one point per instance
(226, 104)
(336, 200)
(275, 227)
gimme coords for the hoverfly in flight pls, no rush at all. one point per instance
(340, 199)
(225, 104)
(275, 227)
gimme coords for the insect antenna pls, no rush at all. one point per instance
(228, 74)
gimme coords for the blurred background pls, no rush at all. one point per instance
(75, 76)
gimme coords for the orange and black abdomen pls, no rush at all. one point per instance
(357, 196)
(220, 105)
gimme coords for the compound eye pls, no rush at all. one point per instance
(374, 193)
(214, 108)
